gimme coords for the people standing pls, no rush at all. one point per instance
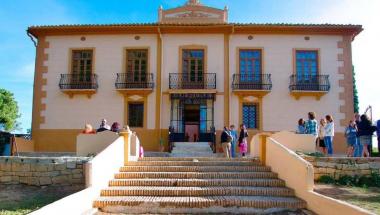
(301, 127)
(311, 125)
(329, 134)
(103, 126)
(88, 129)
(351, 137)
(358, 151)
(365, 131)
(321, 136)
(243, 145)
(115, 127)
(234, 135)
(226, 140)
(378, 136)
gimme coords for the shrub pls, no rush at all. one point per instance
(326, 179)
(346, 180)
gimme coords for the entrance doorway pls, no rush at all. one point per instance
(191, 121)
(192, 118)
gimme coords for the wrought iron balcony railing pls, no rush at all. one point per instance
(309, 83)
(252, 82)
(192, 81)
(78, 82)
(133, 81)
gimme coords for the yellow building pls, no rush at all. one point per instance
(192, 71)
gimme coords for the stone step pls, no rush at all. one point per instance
(194, 144)
(198, 182)
(193, 154)
(193, 163)
(210, 204)
(196, 191)
(193, 148)
(195, 175)
(256, 160)
(195, 169)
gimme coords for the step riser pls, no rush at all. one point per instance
(227, 175)
(200, 159)
(214, 192)
(192, 183)
(189, 163)
(148, 209)
(197, 202)
(194, 169)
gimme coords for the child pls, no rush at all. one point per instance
(301, 127)
(350, 134)
(321, 136)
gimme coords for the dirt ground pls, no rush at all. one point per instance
(367, 198)
(23, 199)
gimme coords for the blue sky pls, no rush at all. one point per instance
(17, 53)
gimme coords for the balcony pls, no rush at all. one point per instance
(72, 84)
(130, 83)
(309, 85)
(192, 83)
(252, 84)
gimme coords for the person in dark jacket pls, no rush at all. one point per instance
(365, 131)
(226, 139)
(243, 144)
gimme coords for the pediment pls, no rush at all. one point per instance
(193, 13)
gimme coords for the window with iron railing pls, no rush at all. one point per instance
(137, 65)
(82, 64)
(250, 115)
(307, 68)
(250, 68)
(193, 65)
(136, 114)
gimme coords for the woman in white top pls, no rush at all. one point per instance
(329, 134)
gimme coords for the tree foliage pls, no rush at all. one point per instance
(355, 92)
(8, 110)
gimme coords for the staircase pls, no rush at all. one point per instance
(192, 149)
(196, 185)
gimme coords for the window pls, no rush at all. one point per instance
(136, 114)
(193, 65)
(250, 65)
(137, 64)
(82, 64)
(250, 116)
(307, 66)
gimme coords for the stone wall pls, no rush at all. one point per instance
(336, 167)
(42, 171)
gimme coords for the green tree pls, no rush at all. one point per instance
(8, 111)
(355, 92)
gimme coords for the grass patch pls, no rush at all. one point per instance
(367, 198)
(24, 199)
(26, 206)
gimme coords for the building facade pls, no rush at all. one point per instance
(192, 72)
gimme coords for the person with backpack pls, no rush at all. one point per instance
(226, 139)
